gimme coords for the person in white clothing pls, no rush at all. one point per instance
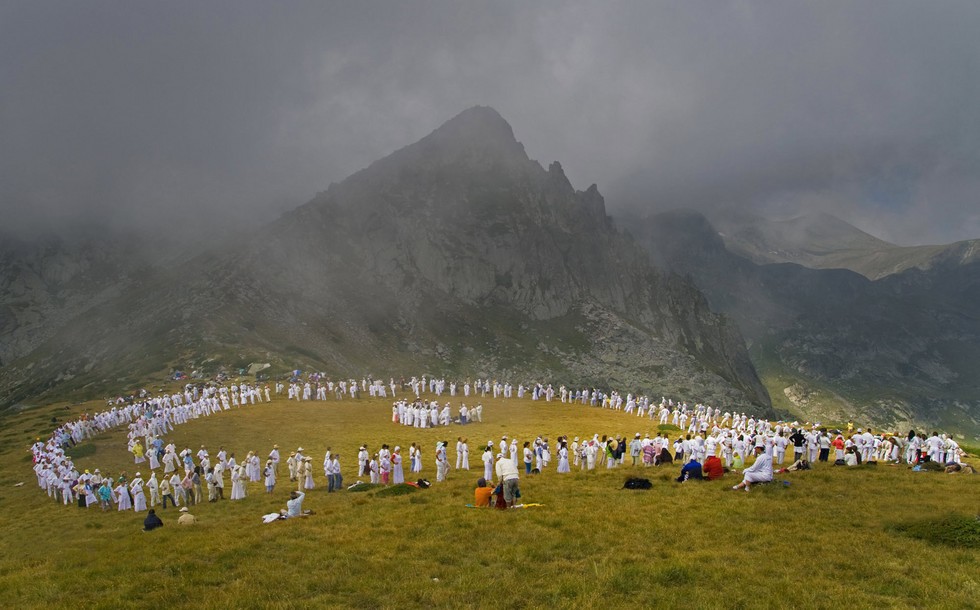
(759, 472)
(488, 462)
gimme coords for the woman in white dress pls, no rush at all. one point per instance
(417, 467)
(488, 462)
(308, 473)
(270, 476)
(237, 485)
(154, 461)
(139, 497)
(122, 496)
(563, 458)
(397, 473)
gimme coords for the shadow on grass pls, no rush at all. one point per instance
(950, 530)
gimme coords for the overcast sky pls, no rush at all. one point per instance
(143, 113)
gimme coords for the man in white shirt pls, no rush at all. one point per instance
(508, 477)
(759, 472)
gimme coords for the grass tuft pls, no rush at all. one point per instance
(361, 487)
(950, 530)
(674, 576)
(397, 490)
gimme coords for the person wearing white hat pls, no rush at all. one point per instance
(139, 497)
(508, 476)
(270, 476)
(186, 518)
(274, 458)
(154, 486)
(307, 473)
(759, 472)
(291, 463)
(488, 462)
(591, 453)
(362, 460)
(219, 480)
(635, 448)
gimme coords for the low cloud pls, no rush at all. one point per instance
(161, 114)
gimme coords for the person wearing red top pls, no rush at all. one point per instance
(713, 468)
(838, 445)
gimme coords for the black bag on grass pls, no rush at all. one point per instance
(636, 483)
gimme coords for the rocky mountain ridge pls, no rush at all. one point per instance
(455, 255)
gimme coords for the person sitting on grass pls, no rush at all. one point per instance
(713, 468)
(759, 472)
(691, 470)
(482, 493)
(152, 521)
(851, 457)
(294, 506)
(186, 518)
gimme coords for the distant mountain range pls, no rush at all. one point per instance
(456, 255)
(823, 241)
(898, 350)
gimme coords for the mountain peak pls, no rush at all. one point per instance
(477, 128)
(483, 118)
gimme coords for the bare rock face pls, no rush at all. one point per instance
(46, 283)
(456, 255)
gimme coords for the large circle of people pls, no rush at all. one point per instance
(710, 442)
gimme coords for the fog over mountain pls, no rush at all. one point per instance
(182, 119)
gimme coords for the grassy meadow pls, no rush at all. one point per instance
(832, 537)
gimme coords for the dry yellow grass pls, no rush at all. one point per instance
(824, 541)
